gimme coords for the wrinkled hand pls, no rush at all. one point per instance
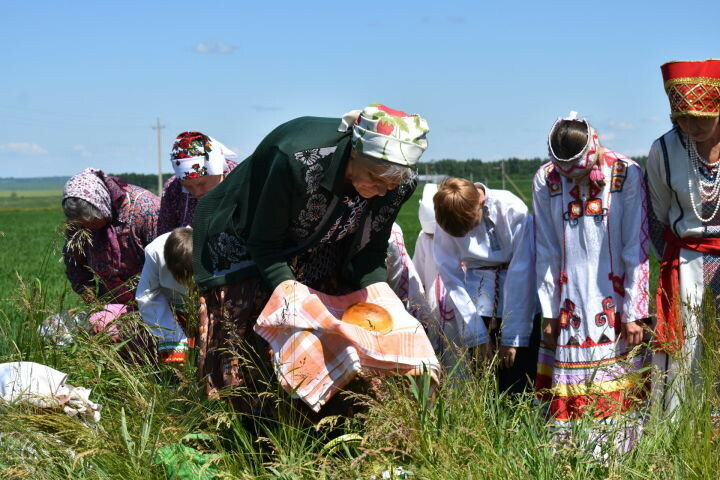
(507, 356)
(633, 333)
(550, 331)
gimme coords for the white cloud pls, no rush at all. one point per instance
(82, 151)
(606, 137)
(215, 47)
(622, 126)
(22, 148)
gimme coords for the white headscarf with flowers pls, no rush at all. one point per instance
(387, 134)
(195, 154)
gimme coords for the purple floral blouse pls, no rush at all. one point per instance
(135, 214)
(177, 208)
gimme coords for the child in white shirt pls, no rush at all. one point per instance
(484, 250)
(163, 289)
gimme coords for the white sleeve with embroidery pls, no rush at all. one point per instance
(547, 249)
(404, 279)
(154, 305)
(635, 241)
(448, 258)
(519, 292)
(659, 197)
(660, 193)
(421, 257)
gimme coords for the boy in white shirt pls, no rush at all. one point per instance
(163, 289)
(484, 250)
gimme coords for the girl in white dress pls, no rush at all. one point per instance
(592, 272)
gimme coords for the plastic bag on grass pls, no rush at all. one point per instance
(182, 462)
(60, 328)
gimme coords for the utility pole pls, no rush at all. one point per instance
(159, 127)
(502, 169)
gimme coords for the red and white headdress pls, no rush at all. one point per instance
(584, 160)
(194, 155)
(693, 88)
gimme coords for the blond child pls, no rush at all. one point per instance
(484, 251)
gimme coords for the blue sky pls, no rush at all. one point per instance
(83, 82)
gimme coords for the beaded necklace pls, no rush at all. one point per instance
(709, 189)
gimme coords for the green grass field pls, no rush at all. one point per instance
(466, 429)
(30, 193)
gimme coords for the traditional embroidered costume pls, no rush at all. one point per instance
(684, 192)
(193, 155)
(115, 253)
(160, 298)
(592, 273)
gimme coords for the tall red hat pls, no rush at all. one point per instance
(693, 88)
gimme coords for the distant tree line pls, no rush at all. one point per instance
(144, 180)
(479, 170)
(472, 168)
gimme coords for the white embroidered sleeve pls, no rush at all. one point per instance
(547, 249)
(659, 196)
(660, 193)
(635, 241)
(519, 293)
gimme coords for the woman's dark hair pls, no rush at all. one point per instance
(569, 138)
(178, 255)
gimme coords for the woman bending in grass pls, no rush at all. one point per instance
(121, 220)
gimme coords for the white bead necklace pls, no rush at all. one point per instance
(709, 190)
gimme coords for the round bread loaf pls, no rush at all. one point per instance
(368, 316)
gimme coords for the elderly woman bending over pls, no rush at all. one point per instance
(314, 203)
(121, 220)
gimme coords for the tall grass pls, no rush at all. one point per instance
(464, 429)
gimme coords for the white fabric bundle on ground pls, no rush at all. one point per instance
(45, 387)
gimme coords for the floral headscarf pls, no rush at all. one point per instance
(194, 155)
(387, 134)
(95, 188)
(89, 185)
